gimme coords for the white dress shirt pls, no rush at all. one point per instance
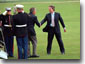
(52, 19)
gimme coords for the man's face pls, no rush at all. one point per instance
(34, 12)
(9, 12)
(19, 10)
(50, 10)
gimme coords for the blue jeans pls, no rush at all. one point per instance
(22, 43)
(9, 44)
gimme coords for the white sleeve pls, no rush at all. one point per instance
(5, 13)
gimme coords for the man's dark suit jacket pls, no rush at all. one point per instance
(47, 18)
(32, 21)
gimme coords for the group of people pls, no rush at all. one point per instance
(22, 25)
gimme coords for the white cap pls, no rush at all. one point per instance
(8, 9)
(19, 6)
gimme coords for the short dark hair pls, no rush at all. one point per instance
(32, 9)
(53, 7)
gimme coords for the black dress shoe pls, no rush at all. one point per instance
(35, 56)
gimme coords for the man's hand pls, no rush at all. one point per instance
(64, 29)
(40, 24)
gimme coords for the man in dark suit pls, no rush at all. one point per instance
(31, 31)
(53, 28)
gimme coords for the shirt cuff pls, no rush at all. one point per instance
(64, 28)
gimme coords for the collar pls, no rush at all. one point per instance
(8, 15)
(19, 12)
(53, 13)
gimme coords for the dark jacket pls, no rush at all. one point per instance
(57, 18)
(8, 31)
(20, 19)
(32, 21)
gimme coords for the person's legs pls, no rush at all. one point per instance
(34, 43)
(10, 39)
(50, 38)
(60, 42)
(29, 49)
(19, 43)
(25, 46)
(7, 44)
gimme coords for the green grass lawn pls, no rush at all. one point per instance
(71, 16)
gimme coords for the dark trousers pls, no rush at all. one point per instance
(9, 44)
(51, 34)
(22, 43)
